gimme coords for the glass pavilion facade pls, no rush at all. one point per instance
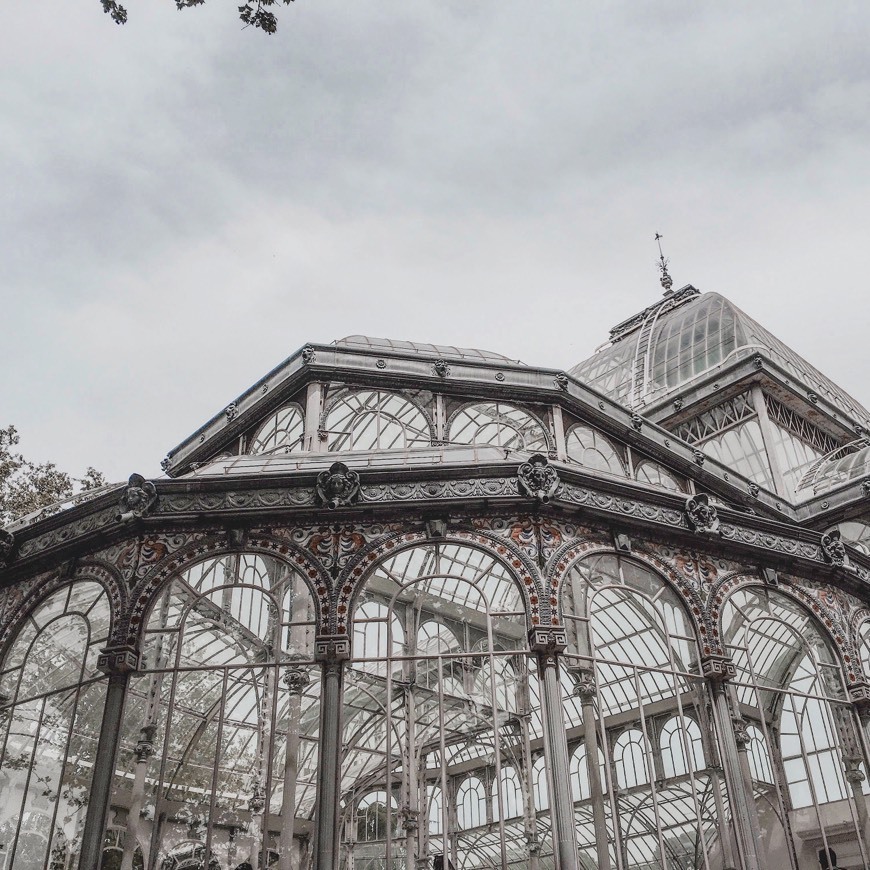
(414, 606)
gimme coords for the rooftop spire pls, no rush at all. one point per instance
(666, 281)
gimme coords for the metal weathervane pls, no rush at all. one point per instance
(666, 281)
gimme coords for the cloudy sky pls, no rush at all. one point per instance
(185, 203)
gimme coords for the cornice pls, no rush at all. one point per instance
(417, 494)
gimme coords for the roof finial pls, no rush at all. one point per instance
(666, 281)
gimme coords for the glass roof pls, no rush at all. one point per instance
(850, 462)
(671, 350)
(367, 342)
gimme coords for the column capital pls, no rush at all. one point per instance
(718, 668)
(548, 639)
(119, 659)
(296, 680)
(584, 683)
(332, 648)
(859, 695)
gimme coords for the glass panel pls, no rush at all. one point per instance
(282, 432)
(500, 425)
(590, 448)
(374, 420)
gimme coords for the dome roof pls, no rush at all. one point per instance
(367, 342)
(686, 336)
(850, 462)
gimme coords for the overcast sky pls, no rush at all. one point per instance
(185, 203)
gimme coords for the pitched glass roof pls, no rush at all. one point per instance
(670, 347)
(367, 342)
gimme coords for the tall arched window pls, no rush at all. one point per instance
(281, 433)
(627, 624)
(375, 816)
(454, 700)
(229, 700)
(591, 449)
(510, 804)
(375, 420)
(681, 747)
(500, 425)
(789, 676)
(49, 733)
(471, 804)
(630, 759)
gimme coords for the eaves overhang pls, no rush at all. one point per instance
(471, 379)
(416, 495)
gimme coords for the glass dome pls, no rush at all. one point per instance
(670, 347)
(367, 342)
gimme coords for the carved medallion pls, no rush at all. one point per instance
(337, 487)
(700, 514)
(7, 544)
(138, 499)
(833, 548)
(538, 478)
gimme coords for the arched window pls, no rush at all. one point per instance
(376, 420)
(471, 803)
(539, 784)
(56, 697)
(630, 759)
(591, 449)
(229, 695)
(281, 433)
(653, 474)
(787, 671)
(374, 818)
(681, 747)
(499, 425)
(511, 796)
(578, 774)
(434, 810)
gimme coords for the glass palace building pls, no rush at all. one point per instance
(413, 606)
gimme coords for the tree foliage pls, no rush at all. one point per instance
(254, 13)
(27, 486)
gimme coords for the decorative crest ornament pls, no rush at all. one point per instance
(753, 489)
(699, 456)
(834, 549)
(538, 478)
(308, 354)
(561, 381)
(700, 514)
(337, 487)
(865, 487)
(665, 280)
(441, 368)
(678, 403)
(165, 463)
(718, 668)
(7, 545)
(138, 499)
(232, 411)
(636, 421)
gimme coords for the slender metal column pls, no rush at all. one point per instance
(584, 689)
(332, 652)
(295, 679)
(547, 643)
(719, 670)
(118, 663)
